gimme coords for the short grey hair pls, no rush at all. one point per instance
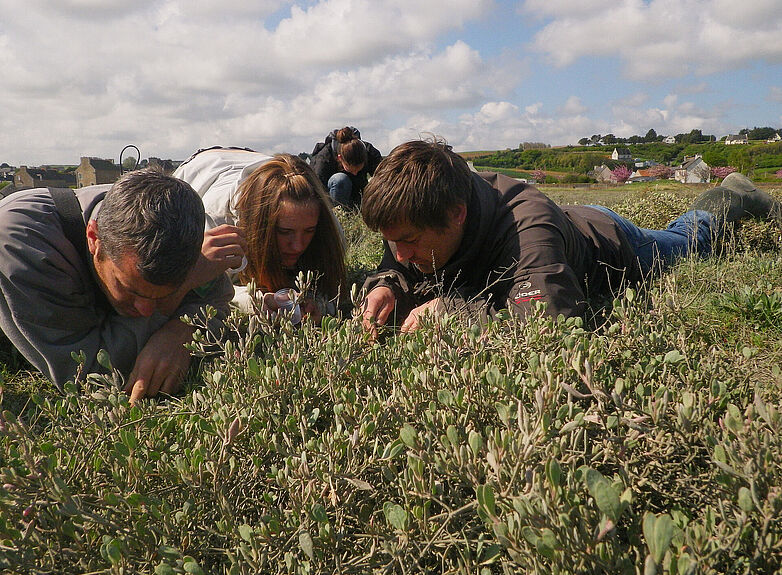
(158, 218)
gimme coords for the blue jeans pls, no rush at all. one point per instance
(341, 189)
(691, 233)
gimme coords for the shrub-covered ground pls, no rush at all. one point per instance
(647, 440)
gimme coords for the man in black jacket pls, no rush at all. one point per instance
(478, 243)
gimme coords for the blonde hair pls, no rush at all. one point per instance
(288, 178)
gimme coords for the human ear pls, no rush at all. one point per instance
(93, 241)
(459, 213)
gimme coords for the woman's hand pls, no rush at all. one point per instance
(223, 248)
(310, 309)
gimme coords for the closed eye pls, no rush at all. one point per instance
(410, 242)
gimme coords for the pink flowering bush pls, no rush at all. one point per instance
(621, 173)
(722, 171)
(660, 171)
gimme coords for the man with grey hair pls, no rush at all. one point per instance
(111, 267)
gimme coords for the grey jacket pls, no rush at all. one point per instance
(48, 307)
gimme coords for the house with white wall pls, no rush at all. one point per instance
(693, 171)
(732, 139)
(603, 174)
(621, 154)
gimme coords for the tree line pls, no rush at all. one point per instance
(693, 137)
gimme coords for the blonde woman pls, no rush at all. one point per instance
(274, 212)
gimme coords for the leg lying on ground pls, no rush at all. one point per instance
(736, 198)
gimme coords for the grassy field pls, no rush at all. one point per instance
(646, 440)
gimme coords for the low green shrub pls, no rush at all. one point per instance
(647, 443)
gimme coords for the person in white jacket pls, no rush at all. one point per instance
(279, 208)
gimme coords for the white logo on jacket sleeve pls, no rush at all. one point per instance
(525, 294)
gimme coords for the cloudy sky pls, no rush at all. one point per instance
(87, 77)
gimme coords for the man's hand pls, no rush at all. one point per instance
(162, 363)
(411, 322)
(378, 305)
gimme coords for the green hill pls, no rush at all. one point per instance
(759, 160)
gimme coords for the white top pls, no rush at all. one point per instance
(215, 174)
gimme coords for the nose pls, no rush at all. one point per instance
(146, 307)
(402, 253)
(297, 243)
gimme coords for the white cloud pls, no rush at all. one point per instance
(671, 99)
(357, 31)
(658, 39)
(90, 76)
(174, 74)
(573, 106)
(501, 124)
(87, 9)
(676, 117)
(635, 100)
(555, 8)
(494, 112)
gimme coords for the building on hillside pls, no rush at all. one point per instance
(775, 138)
(93, 171)
(669, 140)
(640, 163)
(25, 178)
(642, 175)
(693, 171)
(603, 174)
(733, 139)
(621, 154)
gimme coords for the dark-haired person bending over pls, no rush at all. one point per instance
(344, 163)
(477, 243)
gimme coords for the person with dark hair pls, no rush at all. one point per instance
(110, 267)
(476, 243)
(344, 163)
(280, 207)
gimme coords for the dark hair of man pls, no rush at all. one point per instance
(419, 183)
(351, 148)
(156, 217)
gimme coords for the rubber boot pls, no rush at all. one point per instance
(737, 198)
